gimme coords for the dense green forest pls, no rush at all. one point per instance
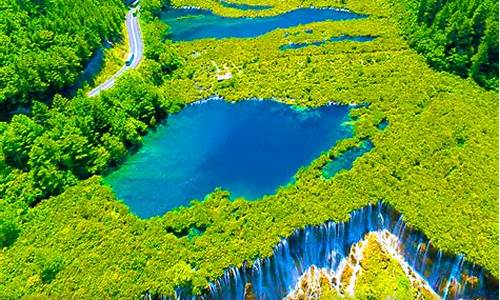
(44, 44)
(63, 234)
(456, 36)
(55, 147)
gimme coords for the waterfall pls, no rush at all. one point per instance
(328, 246)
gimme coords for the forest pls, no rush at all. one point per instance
(68, 140)
(436, 162)
(45, 45)
(456, 36)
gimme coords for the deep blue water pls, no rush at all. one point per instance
(244, 6)
(192, 24)
(249, 148)
(331, 40)
(345, 160)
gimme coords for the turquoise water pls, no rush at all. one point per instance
(346, 159)
(191, 24)
(249, 148)
(331, 40)
(244, 6)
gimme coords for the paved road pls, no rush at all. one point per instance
(136, 46)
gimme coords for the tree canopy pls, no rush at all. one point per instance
(44, 44)
(456, 36)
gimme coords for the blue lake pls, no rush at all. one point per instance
(191, 24)
(249, 148)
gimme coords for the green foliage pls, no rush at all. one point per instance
(45, 44)
(75, 139)
(437, 162)
(456, 36)
(159, 50)
(18, 138)
(371, 7)
(55, 147)
(49, 269)
(8, 233)
(152, 8)
(77, 235)
(381, 276)
(9, 222)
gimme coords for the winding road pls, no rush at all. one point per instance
(136, 46)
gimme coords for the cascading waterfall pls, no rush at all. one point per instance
(314, 282)
(328, 245)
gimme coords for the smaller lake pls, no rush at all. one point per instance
(345, 160)
(191, 24)
(249, 148)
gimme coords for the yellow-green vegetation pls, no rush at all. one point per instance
(311, 76)
(436, 162)
(425, 164)
(114, 58)
(456, 36)
(365, 7)
(382, 277)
